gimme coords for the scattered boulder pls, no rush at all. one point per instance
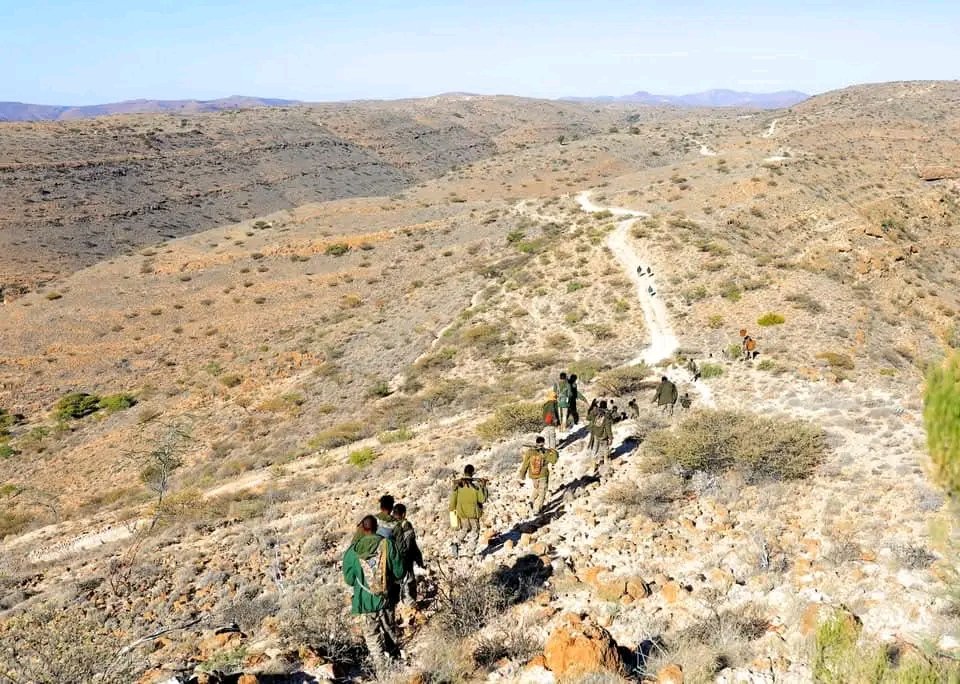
(578, 645)
(670, 674)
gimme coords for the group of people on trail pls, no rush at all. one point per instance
(380, 563)
(379, 566)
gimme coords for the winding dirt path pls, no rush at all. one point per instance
(663, 341)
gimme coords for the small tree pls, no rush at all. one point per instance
(941, 415)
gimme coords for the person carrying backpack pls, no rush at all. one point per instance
(551, 417)
(372, 567)
(466, 501)
(536, 467)
(601, 433)
(563, 391)
(405, 539)
(667, 395)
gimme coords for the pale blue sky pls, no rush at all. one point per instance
(85, 52)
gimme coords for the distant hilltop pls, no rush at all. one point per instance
(19, 111)
(708, 98)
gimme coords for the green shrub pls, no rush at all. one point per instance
(715, 322)
(117, 402)
(626, 380)
(379, 389)
(585, 369)
(7, 421)
(403, 434)
(512, 419)
(836, 360)
(711, 370)
(362, 457)
(338, 435)
(574, 285)
(695, 294)
(6, 451)
(766, 365)
(733, 351)
(941, 416)
(731, 292)
(53, 296)
(337, 249)
(839, 658)
(76, 405)
(231, 379)
(771, 318)
(761, 447)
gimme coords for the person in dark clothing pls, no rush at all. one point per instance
(575, 396)
(405, 540)
(667, 395)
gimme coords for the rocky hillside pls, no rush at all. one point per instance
(252, 389)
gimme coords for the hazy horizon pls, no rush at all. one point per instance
(61, 53)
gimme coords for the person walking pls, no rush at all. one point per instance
(405, 539)
(536, 467)
(563, 391)
(466, 501)
(575, 396)
(372, 567)
(385, 520)
(551, 417)
(666, 395)
(601, 434)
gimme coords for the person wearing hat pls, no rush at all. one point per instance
(551, 416)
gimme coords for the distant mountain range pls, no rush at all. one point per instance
(19, 111)
(709, 98)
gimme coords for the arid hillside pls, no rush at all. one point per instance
(74, 193)
(251, 385)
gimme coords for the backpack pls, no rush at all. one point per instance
(537, 462)
(563, 393)
(372, 577)
(548, 418)
(600, 422)
(751, 344)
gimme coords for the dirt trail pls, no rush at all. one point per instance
(771, 131)
(663, 341)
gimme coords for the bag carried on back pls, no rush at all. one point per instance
(372, 577)
(537, 460)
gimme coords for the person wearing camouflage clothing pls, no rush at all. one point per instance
(536, 466)
(601, 432)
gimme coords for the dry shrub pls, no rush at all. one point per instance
(763, 448)
(712, 644)
(515, 643)
(52, 645)
(336, 436)
(466, 604)
(651, 496)
(626, 380)
(322, 622)
(512, 419)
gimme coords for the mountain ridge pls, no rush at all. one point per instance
(24, 111)
(719, 97)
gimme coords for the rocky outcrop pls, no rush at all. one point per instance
(578, 645)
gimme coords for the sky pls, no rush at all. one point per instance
(79, 52)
